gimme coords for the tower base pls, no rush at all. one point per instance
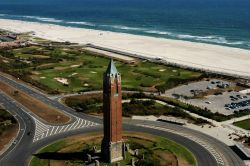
(113, 151)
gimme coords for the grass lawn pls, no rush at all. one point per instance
(157, 151)
(89, 73)
(84, 70)
(245, 124)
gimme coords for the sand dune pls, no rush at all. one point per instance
(204, 56)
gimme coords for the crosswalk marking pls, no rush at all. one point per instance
(215, 154)
(44, 130)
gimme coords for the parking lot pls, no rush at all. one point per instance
(225, 102)
(189, 90)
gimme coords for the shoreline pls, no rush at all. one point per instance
(214, 58)
(137, 30)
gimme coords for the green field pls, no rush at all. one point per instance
(156, 150)
(245, 124)
(84, 70)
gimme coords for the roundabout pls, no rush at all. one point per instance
(206, 150)
(203, 156)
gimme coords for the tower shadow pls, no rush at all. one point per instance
(61, 156)
(83, 156)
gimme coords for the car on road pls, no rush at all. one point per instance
(14, 142)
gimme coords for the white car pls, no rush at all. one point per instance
(14, 142)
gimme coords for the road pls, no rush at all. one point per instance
(207, 150)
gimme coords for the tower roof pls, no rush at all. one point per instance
(111, 68)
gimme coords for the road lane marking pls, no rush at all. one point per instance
(62, 127)
(56, 129)
(44, 130)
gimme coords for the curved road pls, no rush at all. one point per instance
(207, 150)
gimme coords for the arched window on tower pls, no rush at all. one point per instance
(117, 85)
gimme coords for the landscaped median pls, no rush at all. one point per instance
(152, 150)
(40, 109)
(8, 128)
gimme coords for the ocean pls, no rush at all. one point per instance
(222, 22)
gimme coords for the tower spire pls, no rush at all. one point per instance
(111, 68)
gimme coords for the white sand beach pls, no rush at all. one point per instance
(198, 55)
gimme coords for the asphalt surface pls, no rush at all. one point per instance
(207, 150)
(23, 140)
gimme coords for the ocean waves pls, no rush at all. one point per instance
(81, 23)
(43, 19)
(31, 18)
(158, 32)
(122, 27)
(209, 39)
(144, 30)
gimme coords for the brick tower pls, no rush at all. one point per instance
(112, 143)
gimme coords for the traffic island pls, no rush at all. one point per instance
(141, 149)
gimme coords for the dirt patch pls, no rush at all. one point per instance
(46, 65)
(7, 136)
(182, 162)
(39, 108)
(62, 80)
(144, 136)
(73, 74)
(5, 61)
(60, 68)
(35, 72)
(74, 66)
(82, 98)
(76, 143)
(58, 163)
(150, 89)
(84, 137)
(41, 56)
(167, 158)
